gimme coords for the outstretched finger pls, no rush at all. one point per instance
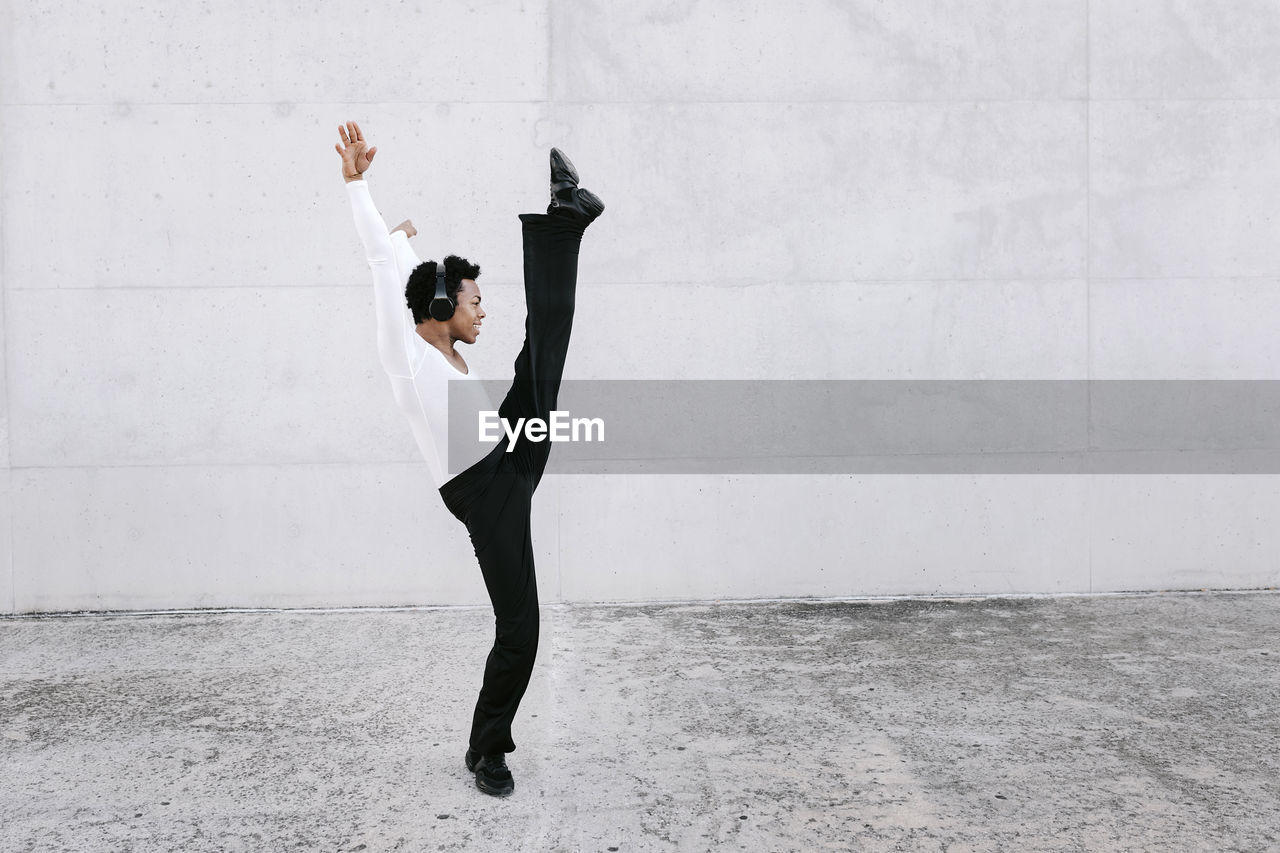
(359, 135)
(338, 148)
(342, 134)
(369, 154)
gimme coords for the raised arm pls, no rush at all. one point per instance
(394, 323)
(406, 258)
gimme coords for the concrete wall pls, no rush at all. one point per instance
(193, 411)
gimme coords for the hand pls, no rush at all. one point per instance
(407, 228)
(355, 152)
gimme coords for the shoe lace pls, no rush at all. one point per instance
(497, 762)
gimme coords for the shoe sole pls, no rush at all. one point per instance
(495, 792)
(586, 208)
(592, 203)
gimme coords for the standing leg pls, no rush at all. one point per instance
(501, 532)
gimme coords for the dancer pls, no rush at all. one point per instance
(492, 497)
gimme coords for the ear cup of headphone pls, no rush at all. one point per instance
(441, 307)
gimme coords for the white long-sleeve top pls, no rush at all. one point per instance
(420, 374)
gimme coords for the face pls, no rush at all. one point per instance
(464, 325)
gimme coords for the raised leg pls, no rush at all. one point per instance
(551, 246)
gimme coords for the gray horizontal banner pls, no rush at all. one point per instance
(894, 427)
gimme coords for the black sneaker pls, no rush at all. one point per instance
(568, 199)
(492, 774)
(563, 175)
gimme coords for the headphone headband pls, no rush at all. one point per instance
(441, 307)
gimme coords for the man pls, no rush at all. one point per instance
(491, 497)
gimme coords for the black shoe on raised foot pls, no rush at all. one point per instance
(492, 774)
(567, 198)
(563, 175)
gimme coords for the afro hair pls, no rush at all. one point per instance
(421, 288)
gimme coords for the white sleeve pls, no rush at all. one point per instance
(406, 258)
(394, 320)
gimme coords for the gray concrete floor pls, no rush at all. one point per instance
(1102, 723)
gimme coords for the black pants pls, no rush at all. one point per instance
(493, 497)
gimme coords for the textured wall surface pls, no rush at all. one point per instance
(193, 414)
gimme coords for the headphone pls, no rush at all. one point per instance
(441, 307)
